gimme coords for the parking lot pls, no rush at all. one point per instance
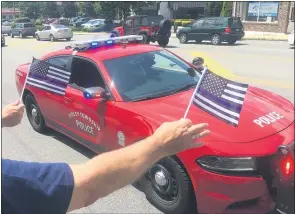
(265, 64)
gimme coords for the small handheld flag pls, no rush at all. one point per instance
(48, 77)
(219, 97)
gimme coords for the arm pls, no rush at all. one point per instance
(111, 171)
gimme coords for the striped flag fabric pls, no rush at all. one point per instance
(48, 77)
(220, 97)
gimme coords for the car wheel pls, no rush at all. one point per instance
(34, 114)
(52, 39)
(183, 38)
(37, 37)
(68, 39)
(168, 187)
(163, 42)
(145, 39)
(231, 42)
(11, 35)
(215, 39)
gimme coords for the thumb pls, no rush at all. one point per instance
(15, 103)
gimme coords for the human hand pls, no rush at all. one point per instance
(12, 114)
(174, 137)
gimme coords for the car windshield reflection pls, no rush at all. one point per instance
(149, 75)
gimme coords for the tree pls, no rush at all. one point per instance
(106, 9)
(32, 10)
(81, 8)
(50, 10)
(70, 9)
(212, 8)
(89, 9)
(227, 8)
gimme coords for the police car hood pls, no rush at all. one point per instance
(271, 112)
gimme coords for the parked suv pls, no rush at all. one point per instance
(23, 30)
(152, 28)
(214, 29)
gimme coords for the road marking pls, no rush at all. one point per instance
(222, 71)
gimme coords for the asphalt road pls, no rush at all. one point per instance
(265, 64)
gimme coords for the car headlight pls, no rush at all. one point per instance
(225, 164)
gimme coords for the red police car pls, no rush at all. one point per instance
(120, 91)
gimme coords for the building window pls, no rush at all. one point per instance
(262, 11)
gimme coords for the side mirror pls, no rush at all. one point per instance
(191, 72)
(95, 93)
(198, 62)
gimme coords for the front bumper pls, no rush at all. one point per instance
(231, 195)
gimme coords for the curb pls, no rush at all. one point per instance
(174, 36)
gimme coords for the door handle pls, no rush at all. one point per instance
(68, 100)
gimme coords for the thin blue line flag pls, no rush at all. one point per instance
(220, 97)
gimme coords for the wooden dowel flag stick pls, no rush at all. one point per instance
(196, 89)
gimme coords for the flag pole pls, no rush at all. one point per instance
(196, 89)
(25, 83)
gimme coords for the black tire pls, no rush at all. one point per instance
(163, 42)
(68, 39)
(216, 39)
(11, 35)
(231, 42)
(183, 38)
(145, 39)
(165, 26)
(36, 122)
(184, 203)
(37, 37)
(51, 37)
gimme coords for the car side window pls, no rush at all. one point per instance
(48, 27)
(145, 22)
(198, 23)
(136, 22)
(84, 74)
(209, 23)
(128, 23)
(61, 61)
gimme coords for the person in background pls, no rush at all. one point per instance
(29, 187)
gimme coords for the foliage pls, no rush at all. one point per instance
(89, 9)
(212, 8)
(50, 10)
(75, 28)
(227, 7)
(38, 22)
(70, 9)
(39, 27)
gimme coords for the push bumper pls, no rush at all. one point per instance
(231, 195)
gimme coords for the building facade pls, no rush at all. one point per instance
(181, 10)
(10, 13)
(265, 16)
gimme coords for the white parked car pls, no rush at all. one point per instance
(291, 38)
(6, 28)
(54, 32)
(93, 23)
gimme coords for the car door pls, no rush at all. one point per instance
(84, 118)
(51, 102)
(128, 26)
(196, 32)
(209, 28)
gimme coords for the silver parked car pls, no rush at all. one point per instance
(54, 32)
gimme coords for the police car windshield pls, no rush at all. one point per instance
(149, 75)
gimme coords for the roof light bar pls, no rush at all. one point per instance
(92, 44)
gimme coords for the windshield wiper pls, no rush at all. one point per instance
(150, 97)
(184, 88)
